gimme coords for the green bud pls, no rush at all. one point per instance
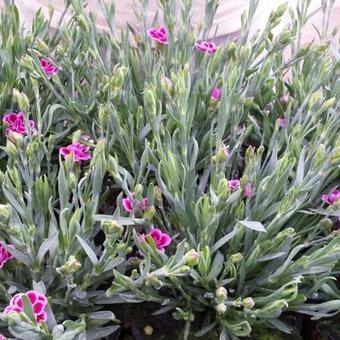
(112, 227)
(249, 155)
(223, 188)
(327, 105)
(5, 213)
(326, 223)
(191, 258)
(22, 100)
(221, 308)
(11, 148)
(72, 180)
(221, 156)
(185, 269)
(240, 211)
(158, 195)
(42, 47)
(248, 303)
(166, 84)
(221, 294)
(71, 266)
(139, 191)
(152, 280)
(320, 154)
(112, 166)
(103, 116)
(83, 23)
(150, 102)
(119, 76)
(236, 258)
(27, 62)
(149, 213)
(231, 50)
(129, 250)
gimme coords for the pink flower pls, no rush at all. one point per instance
(2, 337)
(15, 123)
(38, 301)
(332, 198)
(234, 184)
(161, 239)
(49, 68)
(79, 152)
(206, 47)
(216, 94)
(284, 99)
(248, 190)
(158, 35)
(128, 203)
(282, 122)
(4, 255)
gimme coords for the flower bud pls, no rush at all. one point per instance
(236, 258)
(5, 214)
(223, 188)
(112, 166)
(27, 62)
(221, 294)
(221, 308)
(231, 50)
(71, 266)
(326, 223)
(191, 258)
(103, 116)
(150, 102)
(112, 227)
(149, 213)
(158, 195)
(166, 84)
(119, 76)
(42, 47)
(139, 191)
(148, 330)
(22, 100)
(185, 269)
(248, 303)
(153, 281)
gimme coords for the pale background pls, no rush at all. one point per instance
(227, 20)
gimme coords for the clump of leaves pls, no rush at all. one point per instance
(235, 180)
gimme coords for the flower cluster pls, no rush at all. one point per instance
(38, 301)
(208, 47)
(5, 255)
(15, 123)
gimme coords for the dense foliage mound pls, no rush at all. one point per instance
(155, 166)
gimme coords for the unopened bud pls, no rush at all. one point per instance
(5, 214)
(191, 258)
(158, 195)
(185, 269)
(139, 191)
(153, 281)
(150, 102)
(112, 227)
(248, 303)
(41, 45)
(103, 116)
(221, 308)
(166, 84)
(71, 266)
(223, 188)
(149, 213)
(326, 223)
(221, 294)
(148, 330)
(119, 75)
(112, 166)
(236, 258)
(22, 100)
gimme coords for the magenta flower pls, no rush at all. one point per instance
(158, 35)
(15, 123)
(282, 122)
(161, 239)
(234, 184)
(38, 301)
(206, 47)
(127, 203)
(4, 255)
(49, 68)
(332, 198)
(78, 151)
(2, 337)
(216, 94)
